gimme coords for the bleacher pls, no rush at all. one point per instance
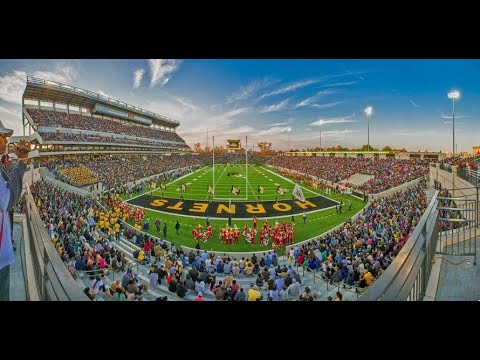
(356, 179)
(96, 129)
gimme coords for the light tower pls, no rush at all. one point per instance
(453, 95)
(368, 111)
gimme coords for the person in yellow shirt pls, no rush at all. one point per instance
(368, 277)
(117, 231)
(254, 294)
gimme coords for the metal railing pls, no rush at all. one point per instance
(54, 282)
(407, 276)
(472, 176)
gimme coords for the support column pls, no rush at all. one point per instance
(454, 175)
(437, 169)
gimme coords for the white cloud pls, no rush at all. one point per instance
(275, 107)
(162, 70)
(279, 124)
(13, 85)
(291, 87)
(137, 78)
(311, 99)
(443, 116)
(337, 120)
(327, 105)
(186, 104)
(414, 104)
(249, 90)
(273, 130)
(339, 133)
(340, 84)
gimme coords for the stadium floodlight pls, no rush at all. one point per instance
(453, 95)
(368, 110)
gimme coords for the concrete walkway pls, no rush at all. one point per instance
(17, 270)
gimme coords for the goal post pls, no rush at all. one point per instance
(243, 193)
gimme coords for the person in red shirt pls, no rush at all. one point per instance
(199, 297)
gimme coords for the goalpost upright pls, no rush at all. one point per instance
(245, 191)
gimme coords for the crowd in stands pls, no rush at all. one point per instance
(79, 138)
(355, 254)
(233, 158)
(77, 176)
(361, 250)
(387, 173)
(50, 118)
(115, 171)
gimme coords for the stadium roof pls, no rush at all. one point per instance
(52, 91)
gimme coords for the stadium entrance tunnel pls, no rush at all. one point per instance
(216, 209)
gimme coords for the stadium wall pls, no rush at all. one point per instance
(395, 189)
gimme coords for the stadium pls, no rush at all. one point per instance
(117, 206)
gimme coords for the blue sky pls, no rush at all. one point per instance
(263, 98)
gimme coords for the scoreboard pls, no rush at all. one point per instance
(234, 144)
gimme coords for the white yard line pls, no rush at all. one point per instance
(250, 185)
(171, 182)
(287, 179)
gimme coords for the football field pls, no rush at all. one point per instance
(190, 207)
(260, 184)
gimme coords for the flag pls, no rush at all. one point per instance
(280, 190)
(260, 189)
(298, 193)
(184, 188)
(162, 186)
(235, 190)
(210, 190)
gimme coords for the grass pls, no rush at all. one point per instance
(197, 184)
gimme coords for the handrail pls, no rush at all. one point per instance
(54, 282)
(390, 285)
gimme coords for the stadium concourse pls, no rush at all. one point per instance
(111, 150)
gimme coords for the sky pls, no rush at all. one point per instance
(264, 98)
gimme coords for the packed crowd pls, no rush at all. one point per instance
(461, 162)
(386, 173)
(356, 254)
(83, 122)
(89, 138)
(77, 176)
(113, 172)
(233, 158)
(362, 249)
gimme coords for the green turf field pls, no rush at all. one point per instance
(224, 178)
(318, 221)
